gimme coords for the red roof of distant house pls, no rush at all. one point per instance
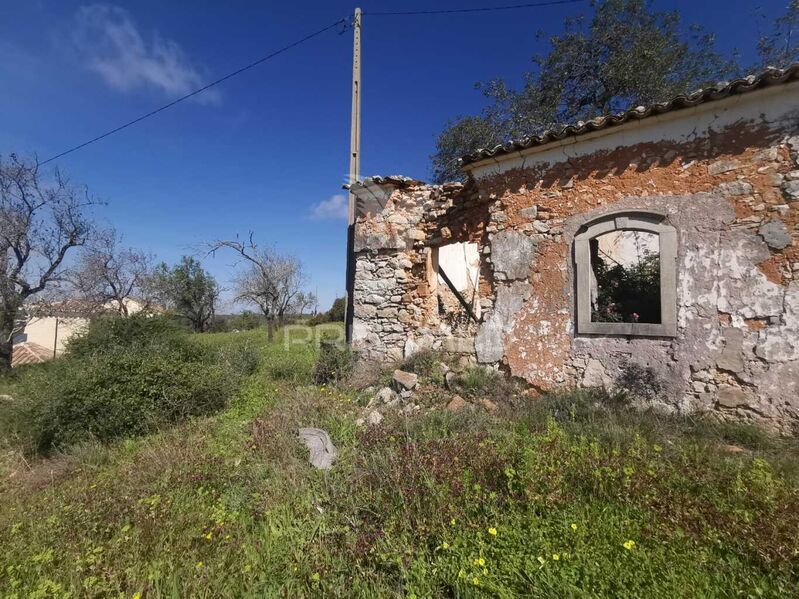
(30, 353)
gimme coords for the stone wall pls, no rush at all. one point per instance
(727, 177)
(396, 307)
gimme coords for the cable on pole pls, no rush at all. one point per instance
(342, 24)
(465, 10)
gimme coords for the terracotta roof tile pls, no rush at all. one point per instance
(30, 353)
(719, 91)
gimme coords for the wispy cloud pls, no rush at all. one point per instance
(334, 208)
(110, 43)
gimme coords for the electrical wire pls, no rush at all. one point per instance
(465, 10)
(308, 37)
(343, 23)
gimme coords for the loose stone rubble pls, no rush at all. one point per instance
(724, 174)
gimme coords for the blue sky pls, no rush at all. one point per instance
(266, 151)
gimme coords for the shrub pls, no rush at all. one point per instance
(289, 368)
(122, 393)
(246, 321)
(125, 377)
(478, 381)
(242, 358)
(333, 364)
(424, 363)
(628, 294)
(338, 310)
(337, 313)
(112, 332)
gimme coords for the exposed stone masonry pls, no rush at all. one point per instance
(732, 194)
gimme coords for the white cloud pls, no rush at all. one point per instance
(334, 208)
(111, 45)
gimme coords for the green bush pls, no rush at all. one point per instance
(125, 377)
(246, 321)
(122, 393)
(337, 313)
(242, 358)
(110, 333)
(333, 364)
(628, 294)
(478, 382)
(424, 363)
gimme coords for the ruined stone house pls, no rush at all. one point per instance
(515, 268)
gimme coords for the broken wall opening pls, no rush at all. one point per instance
(454, 276)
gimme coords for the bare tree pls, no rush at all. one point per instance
(270, 280)
(41, 220)
(109, 276)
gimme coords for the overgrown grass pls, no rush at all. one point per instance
(565, 496)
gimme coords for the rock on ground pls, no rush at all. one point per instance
(489, 405)
(457, 403)
(386, 395)
(405, 380)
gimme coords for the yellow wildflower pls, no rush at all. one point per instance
(479, 562)
(445, 545)
(315, 577)
(198, 565)
(574, 526)
(208, 536)
(555, 556)
(452, 522)
(136, 595)
(629, 544)
(492, 531)
(475, 581)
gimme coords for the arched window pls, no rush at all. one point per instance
(625, 264)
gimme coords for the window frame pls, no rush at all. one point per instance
(628, 220)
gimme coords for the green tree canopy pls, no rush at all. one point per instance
(189, 290)
(626, 54)
(780, 47)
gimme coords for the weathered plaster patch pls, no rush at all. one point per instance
(489, 342)
(512, 254)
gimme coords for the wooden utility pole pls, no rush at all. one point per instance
(355, 166)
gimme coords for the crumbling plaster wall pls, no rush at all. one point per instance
(725, 173)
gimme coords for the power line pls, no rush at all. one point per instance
(199, 90)
(463, 10)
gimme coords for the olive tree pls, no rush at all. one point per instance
(42, 218)
(780, 47)
(624, 55)
(188, 290)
